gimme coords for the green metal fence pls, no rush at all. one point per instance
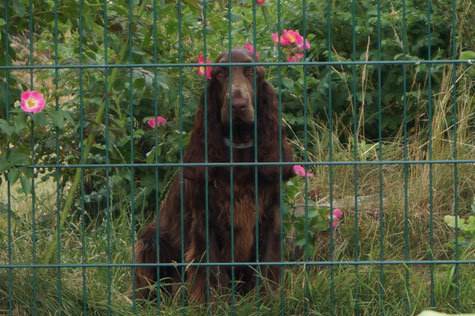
(56, 257)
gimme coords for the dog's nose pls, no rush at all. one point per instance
(239, 105)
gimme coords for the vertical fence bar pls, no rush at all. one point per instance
(131, 126)
(32, 149)
(279, 96)
(380, 158)
(82, 160)
(205, 48)
(455, 165)
(330, 158)
(406, 223)
(231, 169)
(256, 141)
(308, 255)
(180, 100)
(108, 215)
(431, 191)
(155, 114)
(57, 171)
(9, 206)
(355, 151)
(108, 212)
(182, 210)
(305, 127)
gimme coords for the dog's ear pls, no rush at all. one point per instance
(196, 152)
(272, 148)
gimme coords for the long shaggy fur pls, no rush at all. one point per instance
(219, 193)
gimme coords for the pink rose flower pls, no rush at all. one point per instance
(295, 37)
(295, 58)
(32, 101)
(156, 121)
(292, 36)
(336, 217)
(294, 43)
(250, 48)
(301, 171)
(299, 43)
(201, 70)
(284, 40)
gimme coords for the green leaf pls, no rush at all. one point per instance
(20, 122)
(266, 14)
(25, 184)
(40, 119)
(466, 55)
(450, 220)
(4, 164)
(151, 156)
(138, 133)
(17, 158)
(57, 117)
(300, 241)
(322, 226)
(19, 8)
(162, 80)
(2, 22)
(6, 128)
(235, 17)
(300, 227)
(68, 117)
(139, 83)
(288, 83)
(13, 175)
(312, 212)
(28, 172)
(470, 226)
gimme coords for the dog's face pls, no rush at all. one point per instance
(236, 86)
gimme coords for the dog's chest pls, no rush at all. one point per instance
(238, 210)
(236, 204)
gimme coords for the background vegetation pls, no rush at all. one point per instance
(97, 115)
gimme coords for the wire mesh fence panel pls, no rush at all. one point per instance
(230, 157)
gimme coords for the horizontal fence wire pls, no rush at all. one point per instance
(264, 64)
(127, 63)
(241, 164)
(257, 264)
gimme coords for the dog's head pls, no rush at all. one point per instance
(235, 86)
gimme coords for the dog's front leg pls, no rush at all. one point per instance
(197, 277)
(270, 246)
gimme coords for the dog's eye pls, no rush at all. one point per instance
(221, 72)
(250, 71)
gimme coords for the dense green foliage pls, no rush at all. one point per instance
(173, 93)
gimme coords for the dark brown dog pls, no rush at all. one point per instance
(219, 187)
